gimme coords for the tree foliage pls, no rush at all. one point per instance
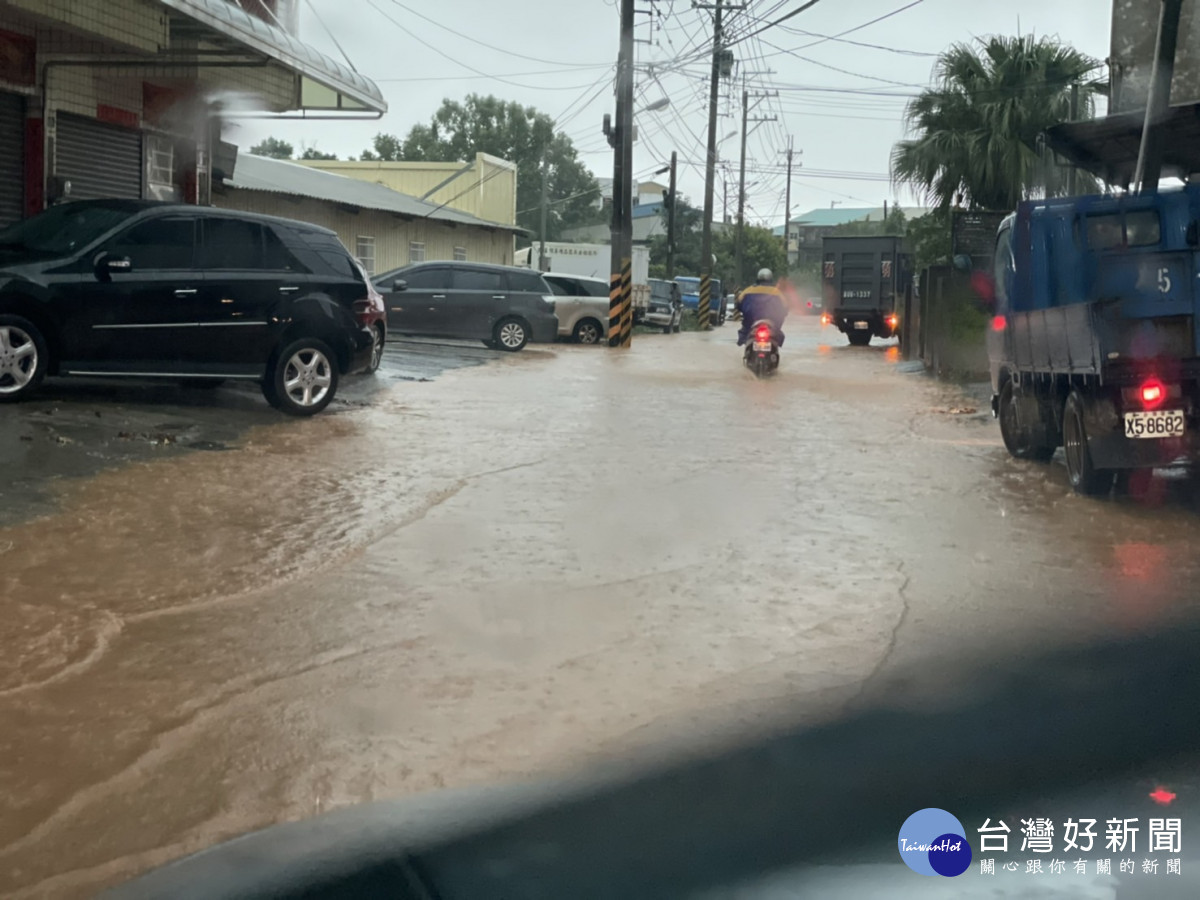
(274, 148)
(977, 132)
(280, 149)
(761, 249)
(687, 242)
(929, 239)
(513, 132)
(896, 223)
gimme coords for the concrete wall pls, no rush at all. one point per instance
(392, 234)
(488, 189)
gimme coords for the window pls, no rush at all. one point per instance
(158, 244)
(425, 279)
(232, 244)
(1142, 228)
(277, 257)
(527, 281)
(329, 250)
(1002, 266)
(416, 251)
(1138, 229)
(460, 254)
(160, 160)
(595, 288)
(364, 249)
(558, 288)
(478, 280)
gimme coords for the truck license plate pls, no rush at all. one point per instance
(1157, 424)
(862, 326)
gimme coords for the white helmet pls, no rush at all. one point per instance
(765, 276)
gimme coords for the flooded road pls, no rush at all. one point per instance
(526, 563)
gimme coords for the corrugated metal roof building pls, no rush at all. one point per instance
(382, 227)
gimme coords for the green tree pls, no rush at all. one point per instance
(387, 149)
(896, 223)
(761, 249)
(510, 131)
(977, 132)
(314, 153)
(687, 242)
(929, 239)
(274, 148)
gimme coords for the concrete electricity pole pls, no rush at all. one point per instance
(1150, 155)
(741, 209)
(543, 260)
(787, 207)
(706, 260)
(620, 308)
(671, 220)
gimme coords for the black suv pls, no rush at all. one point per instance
(144, 289)
(503, 306)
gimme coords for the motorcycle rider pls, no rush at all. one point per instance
(762, 300)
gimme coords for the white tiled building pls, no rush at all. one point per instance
(115, 98)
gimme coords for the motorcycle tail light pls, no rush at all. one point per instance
(763, 333)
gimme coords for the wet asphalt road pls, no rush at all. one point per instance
(217, 618)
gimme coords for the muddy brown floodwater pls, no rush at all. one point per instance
(516, 568)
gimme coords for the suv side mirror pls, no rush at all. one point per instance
(106, 264)
(399, 285)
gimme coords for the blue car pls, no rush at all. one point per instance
(690, 288)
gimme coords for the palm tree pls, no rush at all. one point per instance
(977, 132)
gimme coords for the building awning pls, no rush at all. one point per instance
(1109, 147)
(324, 84)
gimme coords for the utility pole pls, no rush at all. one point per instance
(671, 223)
(787, 208)
(738, 280)
(1073, 175)
(620, 308)
(1158, 103)
(543, 260)
(741, 209)
(706, 261)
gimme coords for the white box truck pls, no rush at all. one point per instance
(593, 261)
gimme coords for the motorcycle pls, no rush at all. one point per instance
(762, 350)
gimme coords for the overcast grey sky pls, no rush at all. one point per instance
(841, 103)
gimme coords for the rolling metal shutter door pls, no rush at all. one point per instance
(12, 158)
(99, 160)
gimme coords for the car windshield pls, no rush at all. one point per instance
(61, 230)
(277, 546)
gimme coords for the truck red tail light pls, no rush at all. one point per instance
(999, 323)
(893, 320)
(1152, 392)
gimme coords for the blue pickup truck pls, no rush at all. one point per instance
(1095, 330)
(689, 286)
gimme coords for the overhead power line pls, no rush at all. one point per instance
(795, 12)
(459, 62)
(467, 37)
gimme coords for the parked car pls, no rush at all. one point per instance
(141, 289)
(689, 286)
(504, 306)
(581, 307)
(666, 306)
